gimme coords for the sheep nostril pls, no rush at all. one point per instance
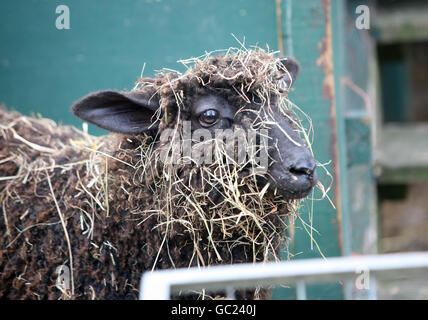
(302, 171)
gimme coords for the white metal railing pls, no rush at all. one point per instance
(159, 285)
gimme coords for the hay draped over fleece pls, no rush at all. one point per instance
(219, 202)
(110, 209)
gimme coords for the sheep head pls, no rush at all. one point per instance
(223, 143)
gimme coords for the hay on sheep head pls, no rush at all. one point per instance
(220, 201)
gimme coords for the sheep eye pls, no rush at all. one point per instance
(209, 117)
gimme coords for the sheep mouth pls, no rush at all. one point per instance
(293, 185)
(295, 194)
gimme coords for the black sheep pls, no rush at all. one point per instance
(112, 207)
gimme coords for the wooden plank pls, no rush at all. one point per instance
(404, 175)
(307, 34)
(403, 146)
(356, 79)
(402, 23)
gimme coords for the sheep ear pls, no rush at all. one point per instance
(125, 112)
(290, 68)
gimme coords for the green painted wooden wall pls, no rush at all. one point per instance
(307, 35)
(44, 70)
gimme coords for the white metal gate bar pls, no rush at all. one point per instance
(161, 284)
